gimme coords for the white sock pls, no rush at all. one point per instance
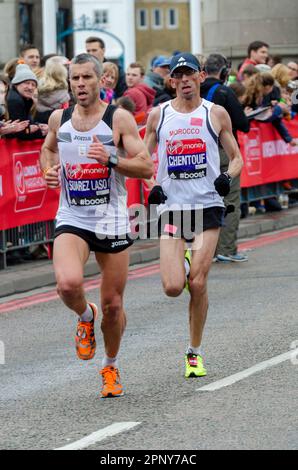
(109, 361)
(88, 314)
(187, 268)
(193, 350)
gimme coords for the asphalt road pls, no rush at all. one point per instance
(50, 399)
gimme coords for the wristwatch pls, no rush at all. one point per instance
(113, 159)
(228, 176)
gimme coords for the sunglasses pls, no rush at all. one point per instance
(188, 73)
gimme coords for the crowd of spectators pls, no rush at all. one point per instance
(31, 88)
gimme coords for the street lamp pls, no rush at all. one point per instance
(196, 27)
(49, 26)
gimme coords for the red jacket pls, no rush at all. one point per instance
(243, 67)
(143, 97)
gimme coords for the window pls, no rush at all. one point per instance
(62, 22)
(25, 17)
(157, 18)
(101, 17)
(172, 22)
(142, 18)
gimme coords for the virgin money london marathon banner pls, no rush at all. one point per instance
(24, 197)
(267, 158)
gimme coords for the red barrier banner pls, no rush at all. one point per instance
(267, 158)
(24, 197)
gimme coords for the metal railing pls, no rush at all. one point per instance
(42, 233)
(25, 236)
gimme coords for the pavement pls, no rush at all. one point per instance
(36, 274)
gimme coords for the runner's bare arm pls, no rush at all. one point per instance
(49, 158)
(223, 122)
(138, 163)
(150, 138)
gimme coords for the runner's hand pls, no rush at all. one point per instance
(222, 185)
(157, 196)
(98, 152)
(51, 176)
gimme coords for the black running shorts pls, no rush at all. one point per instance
(187, 224)
(100, 243)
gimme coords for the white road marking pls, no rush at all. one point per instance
(247, 372)
(97, 436)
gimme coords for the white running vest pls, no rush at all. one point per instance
(188, 156)
(92, 197)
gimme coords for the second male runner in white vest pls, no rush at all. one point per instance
(189, 191)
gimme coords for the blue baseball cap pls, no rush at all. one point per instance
(161, 61)
(184, 59)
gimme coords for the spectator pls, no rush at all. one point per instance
(232, 78)
(272, 60)
(10, 68)
(31, 56)
(139, 92)
(6, 126)
(4, 86)
(126, 103)
(281, 74)
(45, 58)
(155, 78)
(159, 80)
(239, 90)
(293, 70)
(257, 54)
(213, 89)
(109, 81)
(217, 70)
(261, 92)
(20, 103)
(52, 90)
(168, 93)
(248, 72)
(263, 68)
(257, 87)
(96, 47)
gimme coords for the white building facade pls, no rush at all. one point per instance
(115, 17)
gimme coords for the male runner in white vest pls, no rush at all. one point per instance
(85, 153)
(189, 191)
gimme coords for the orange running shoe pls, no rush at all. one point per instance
(85, 339)
(111, 386)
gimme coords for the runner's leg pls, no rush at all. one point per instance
(69, 258)
(172, 268)
(203, 249)
(114, 267)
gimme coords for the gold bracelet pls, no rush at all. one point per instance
(45, 171)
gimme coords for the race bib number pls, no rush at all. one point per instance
(186, 159)
(88, 184)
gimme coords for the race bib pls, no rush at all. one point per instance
(186, 159)
(88, 184)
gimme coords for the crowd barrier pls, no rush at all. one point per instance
(28, 208)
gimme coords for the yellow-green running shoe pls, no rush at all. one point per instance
(187, 258)
(194, 366)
